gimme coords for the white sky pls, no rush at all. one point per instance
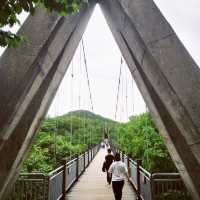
(103, 57)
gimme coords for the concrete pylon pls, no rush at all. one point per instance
(30, 76)
(167, 77)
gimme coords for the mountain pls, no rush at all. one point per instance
(87, 114)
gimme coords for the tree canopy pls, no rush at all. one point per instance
(11, 9)
(61, 138)
(140, 139)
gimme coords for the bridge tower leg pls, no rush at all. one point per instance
(167, 77)
(30, 76)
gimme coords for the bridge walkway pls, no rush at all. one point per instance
(92, 184)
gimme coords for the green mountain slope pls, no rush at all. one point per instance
(60, 138)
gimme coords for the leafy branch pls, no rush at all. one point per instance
(11, 9)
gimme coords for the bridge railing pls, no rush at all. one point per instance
(53, 186)
(150, 186)
(29, 186)
(61, 179)
(166, 183)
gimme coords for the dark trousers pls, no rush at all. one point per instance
(109, 178)
(117, 189)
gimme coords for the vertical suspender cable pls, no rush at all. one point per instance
(79, 94)
(126, 93)
(84, 128)
(117, 97)
(71, 119)
(88, 80)
(122, 97)
(133, 99)
(118, 88)
(146, 136)
(88, 83)
(56, 128)
(55, 139)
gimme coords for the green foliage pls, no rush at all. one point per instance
(38, 161)
(140, 139)
(11, 9)
(61, 138)
(10, 39)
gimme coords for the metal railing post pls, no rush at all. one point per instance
(91, 154)
(64, 181)
(88, 155)
(128, 164)
(77, 166)
(47, 180)
(84, 161)
(139, 162)
(152, 187)
(123, 156)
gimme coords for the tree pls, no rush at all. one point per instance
(141, 140)
(55, 142)
(11, 9)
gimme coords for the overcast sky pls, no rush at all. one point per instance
(103, 58)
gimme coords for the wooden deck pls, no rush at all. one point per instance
(92, 184)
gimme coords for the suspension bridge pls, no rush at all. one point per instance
(82, 178)
(165, 73)
(92, 184)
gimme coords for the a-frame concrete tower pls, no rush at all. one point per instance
(165, 73)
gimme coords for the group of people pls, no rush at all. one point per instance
(116, 173)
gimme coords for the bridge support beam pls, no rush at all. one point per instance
(30, 76)
(167, 77)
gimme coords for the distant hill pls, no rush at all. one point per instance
(87, 114)
(62, 137)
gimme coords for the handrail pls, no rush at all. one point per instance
(132, 161)
(157, 175)
(150, 185)
(56, 174)
(52, 186)
(55, 171)
(71, 161)
(148, 174)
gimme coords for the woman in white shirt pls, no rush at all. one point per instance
(118, 170)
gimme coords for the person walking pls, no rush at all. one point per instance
(108, 161)
(119, 171)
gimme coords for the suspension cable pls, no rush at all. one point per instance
(71, 120)
(146, 135)
(133, 99)
(55, 140)
(88, 80)
(122, 96)
(126, 93)
(79, 92)
(118, 88)
(56, 128)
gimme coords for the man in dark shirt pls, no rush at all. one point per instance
(108, 161)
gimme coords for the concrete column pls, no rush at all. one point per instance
(167, 77)
(30, 76)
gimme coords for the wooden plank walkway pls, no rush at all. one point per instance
(92, 184)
